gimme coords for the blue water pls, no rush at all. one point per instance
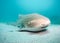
(10, 9)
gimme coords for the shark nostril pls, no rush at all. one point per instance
(43, 24)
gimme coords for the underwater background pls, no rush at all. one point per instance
(10, 9)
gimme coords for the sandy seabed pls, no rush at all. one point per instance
(8, 34)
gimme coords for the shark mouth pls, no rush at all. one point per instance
(32, 31)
